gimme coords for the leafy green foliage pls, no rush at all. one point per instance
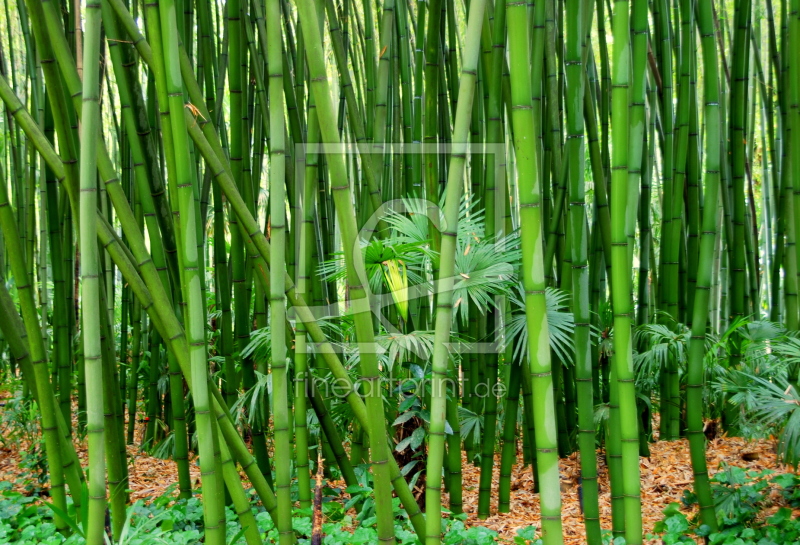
(25, 520)
(19, 420)
(485, 268)
(662, 345)
(758, 387)
(21, 518)
(560, 321)
(763, 386)
(759, 345)
(740, 497)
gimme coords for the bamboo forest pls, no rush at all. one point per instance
(399, 271)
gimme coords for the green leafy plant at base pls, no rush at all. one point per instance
(27, 520)
(19, 423)
(741, 499)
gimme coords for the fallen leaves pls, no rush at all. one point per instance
(664, 476)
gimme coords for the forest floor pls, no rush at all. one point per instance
(665, 475)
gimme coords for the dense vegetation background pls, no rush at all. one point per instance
(320, 239)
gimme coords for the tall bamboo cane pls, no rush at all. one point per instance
(532, 226)
(53, 449)
(578, 227)
(622, 361)
(737, 128)
(794, 116)
(283, 442)
(90, 282)
(195, 322)
(444, 285)
(354, 262)
(695, 371)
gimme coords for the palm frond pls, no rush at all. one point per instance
(400, 347)
(483, 272)
(662, 345)
(776, 403)
(260, 345)
(471, 423)
(250, 407)
(560, 322)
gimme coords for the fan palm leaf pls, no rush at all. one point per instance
(560, 321)
(775, 403)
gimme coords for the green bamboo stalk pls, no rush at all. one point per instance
(638, 90)
(355, 271)
(509, 450)
(354, 111)
(62, 353)
(787, 188)
(152, 431)
(452, 462)
(250, 194)
(277, 197)
(303, 379)
(489, 435)
(644, 291)
(794, 117)
(604, 91)
(369, 66)
(553, 136)
(430, 121)
(695, 371)
(578, 227)
(136, 352)
(738, 116)
(671, 273)
(693, 195)
(241, 310)
(530, 193)
(598, 174)
(494, 188)
(90, 283)
(664, 46)
(14, 331)
(333, 438)
(53, 449)
(116, 454)
(620, 285)
(240, 500)
(195, 335)
(419, 64)
(382, 89)
(444, 285)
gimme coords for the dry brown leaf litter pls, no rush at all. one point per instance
(664, 477)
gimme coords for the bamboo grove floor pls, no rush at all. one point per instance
(664, 476)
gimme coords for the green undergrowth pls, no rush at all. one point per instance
(752, 507)
(28, 519)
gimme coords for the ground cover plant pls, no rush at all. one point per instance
(163, 520)
(752, 507)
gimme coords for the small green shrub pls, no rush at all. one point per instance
(19, 422)
(25, 520)
(741, 498)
